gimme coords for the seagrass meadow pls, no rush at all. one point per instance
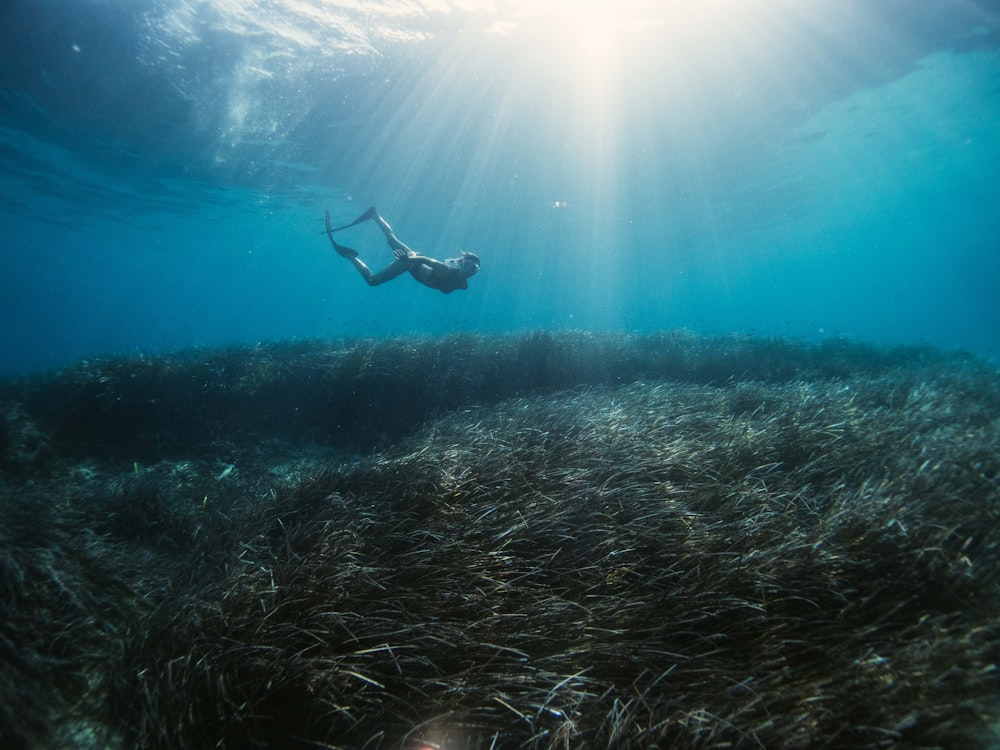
(543, 541)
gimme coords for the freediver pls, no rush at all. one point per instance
(445, 276)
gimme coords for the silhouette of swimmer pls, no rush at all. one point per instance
(446, 276)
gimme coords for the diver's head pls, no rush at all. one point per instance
(469, 263)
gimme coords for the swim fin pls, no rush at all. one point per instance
(344, 252)
(369, 214)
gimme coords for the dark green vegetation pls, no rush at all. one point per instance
(542, 541)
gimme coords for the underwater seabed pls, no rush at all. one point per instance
(547, 540)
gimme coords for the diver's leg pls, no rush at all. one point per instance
(388, 273)
(394, 242)
(391, 271)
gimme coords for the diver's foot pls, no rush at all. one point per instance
(344, 252)
(371, 213)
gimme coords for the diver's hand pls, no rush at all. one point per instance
(401, 254)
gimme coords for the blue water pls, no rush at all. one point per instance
(771, 167)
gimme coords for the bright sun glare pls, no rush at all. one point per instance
(594, 32)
